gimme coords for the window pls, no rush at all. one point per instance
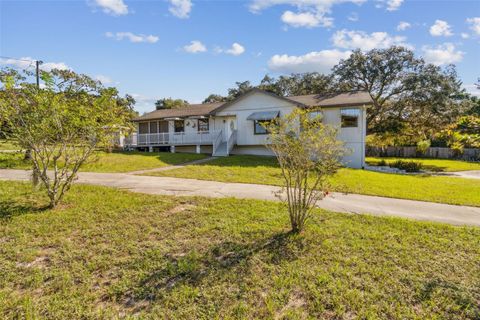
(163, 126)
(153, 127)
(179, 125)
(143, 127)
(203, 125)
(315, 117)
(259, 126)
(350, 117)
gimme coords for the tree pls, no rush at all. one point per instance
(214, 98)
(308, 153)
(381, 72)
(169, 103)
(409, 96)
(241, 88)
(62, 123)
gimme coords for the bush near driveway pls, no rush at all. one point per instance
(107, 253)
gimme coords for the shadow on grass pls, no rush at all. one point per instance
(226, 261)
(11, 208)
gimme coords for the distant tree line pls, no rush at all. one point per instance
(413, 101)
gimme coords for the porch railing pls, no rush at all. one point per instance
(231, 141)
(167, 138)
(217, 141)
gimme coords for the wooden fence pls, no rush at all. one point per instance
(433, 152)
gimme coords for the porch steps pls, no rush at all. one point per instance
(221, 150)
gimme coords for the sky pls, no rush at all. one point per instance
(189, 49)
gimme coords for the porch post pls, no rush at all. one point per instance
(198, 148)
(172, 149)
(150, 149)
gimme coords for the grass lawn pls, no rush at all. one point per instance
(265, 170)
(106, 253)
(8, 145)
(436, 165)
(113, 162)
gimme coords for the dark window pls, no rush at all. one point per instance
(350, 117)
(259, 126)
(153, 127)
(179, 125)
(143, 128)
(163, 126)
(203, 125)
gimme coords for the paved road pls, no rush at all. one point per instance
(348, 203)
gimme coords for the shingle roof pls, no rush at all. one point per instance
(188, 111)
(354, 98)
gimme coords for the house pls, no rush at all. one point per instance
(235, 127)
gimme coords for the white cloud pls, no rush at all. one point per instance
(195, 46)
(402, 26)
(113, 7)
(135, 38)
(393, 5)
(352, 39)
(236, 49)
(310, 13)
(302, 19)
(464, 35)
(28, 62)
(474, 24)
(442, 54)
(353, 17)
(441, 28)
(180, 8)
(320, 61)
(103, 79)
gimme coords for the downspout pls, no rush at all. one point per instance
(364, 133)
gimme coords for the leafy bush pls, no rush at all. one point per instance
(422, 146)
(382, 163)
(408, 166)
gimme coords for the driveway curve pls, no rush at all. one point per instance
(338, 202)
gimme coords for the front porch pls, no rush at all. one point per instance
(220, 146)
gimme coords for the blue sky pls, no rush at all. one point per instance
(189, 49)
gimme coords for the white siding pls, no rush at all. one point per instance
(253, 103)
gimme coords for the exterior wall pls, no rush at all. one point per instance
(248, 105)
(253, 150)
(354, 138)
(192, 149)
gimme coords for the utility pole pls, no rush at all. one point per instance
(37, 71)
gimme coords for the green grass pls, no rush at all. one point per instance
(112, 162)
(435, 165)
(265, 170)
(106, 253)
(8, 145)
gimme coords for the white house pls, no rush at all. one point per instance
(234, 127)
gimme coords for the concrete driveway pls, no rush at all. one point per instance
(338, 202)
(473, 174)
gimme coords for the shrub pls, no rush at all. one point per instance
(422, 146)
(382, 163)
(408, 166)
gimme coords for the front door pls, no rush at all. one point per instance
(228, 127)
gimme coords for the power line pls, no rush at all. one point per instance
(11, 58)
(37, 66)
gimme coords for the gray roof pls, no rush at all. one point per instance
(354, 98)
(188, 111)
(263, 115)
